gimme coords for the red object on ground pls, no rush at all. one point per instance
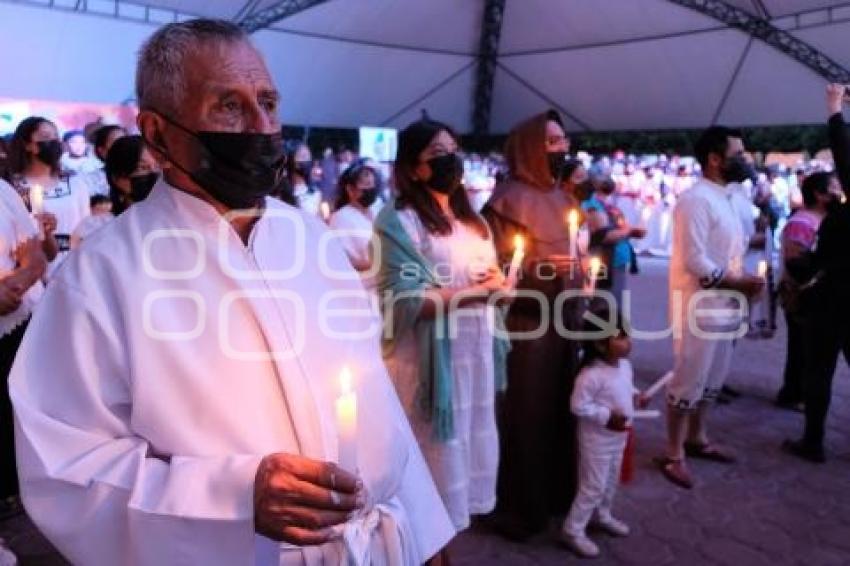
(627, 471)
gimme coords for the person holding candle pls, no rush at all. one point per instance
(610, 236)
(187, 410)
(603, 400)
(34, 158)
(438, 285)
(357, 205)
(706, 274)
(22, 264)
(536, 429)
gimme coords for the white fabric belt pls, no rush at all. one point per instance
(389, 521)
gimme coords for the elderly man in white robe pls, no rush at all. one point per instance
(176, 395)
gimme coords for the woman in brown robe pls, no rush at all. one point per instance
(537, 431)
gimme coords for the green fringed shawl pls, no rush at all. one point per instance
(404, 276)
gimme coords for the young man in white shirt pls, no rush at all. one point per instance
(708, 295)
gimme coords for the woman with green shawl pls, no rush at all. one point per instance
(439, 286)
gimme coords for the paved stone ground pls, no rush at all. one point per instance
(768, 509)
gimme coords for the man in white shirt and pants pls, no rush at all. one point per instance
(176, 395)
(708, 299)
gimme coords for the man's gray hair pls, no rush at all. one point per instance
(160, 72)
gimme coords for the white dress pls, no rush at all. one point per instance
(465, 467)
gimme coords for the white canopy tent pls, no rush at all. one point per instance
(607, 64)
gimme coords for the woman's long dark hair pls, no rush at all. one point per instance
(121, 160)
(350, 177)
(413, 193)
(285, 189)
(19, 158)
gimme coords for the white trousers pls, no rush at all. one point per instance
(600, 459)
(700, 369)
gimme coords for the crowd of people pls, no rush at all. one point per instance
(505, 394)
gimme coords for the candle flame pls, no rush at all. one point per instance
(345, 380)
(595, 265)
(519, 243)
(572, 217)
(326, 210)
(762, 268)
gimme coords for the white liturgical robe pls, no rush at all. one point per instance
(168, 358)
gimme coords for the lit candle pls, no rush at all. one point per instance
(346, 422)
(37, 199)
(516, 261)
(762, 269)
(572, 223)
(595, 266)
(326, 210)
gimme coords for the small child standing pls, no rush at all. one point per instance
(603, 399)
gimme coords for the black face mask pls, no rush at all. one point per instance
(238, 169)
(141, 186)
(305, 169)
(557, 160)
(49, 152)
(446, 173)
(368, 197)
(737, 170)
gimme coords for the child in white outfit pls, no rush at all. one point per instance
(603, 399)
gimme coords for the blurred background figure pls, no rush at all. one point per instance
(356, 208)
(76, 158)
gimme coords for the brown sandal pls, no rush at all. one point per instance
(674, 470)
(710, 452)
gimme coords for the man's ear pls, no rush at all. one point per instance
(150, 127)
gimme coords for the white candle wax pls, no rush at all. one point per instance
(595, 266)
(572, 223)
(656, 387)
(37, 199)
(516, 261)
(346, 422)
(647, 414)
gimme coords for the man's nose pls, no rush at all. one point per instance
(257, 120)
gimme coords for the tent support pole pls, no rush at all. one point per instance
(487, 58)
